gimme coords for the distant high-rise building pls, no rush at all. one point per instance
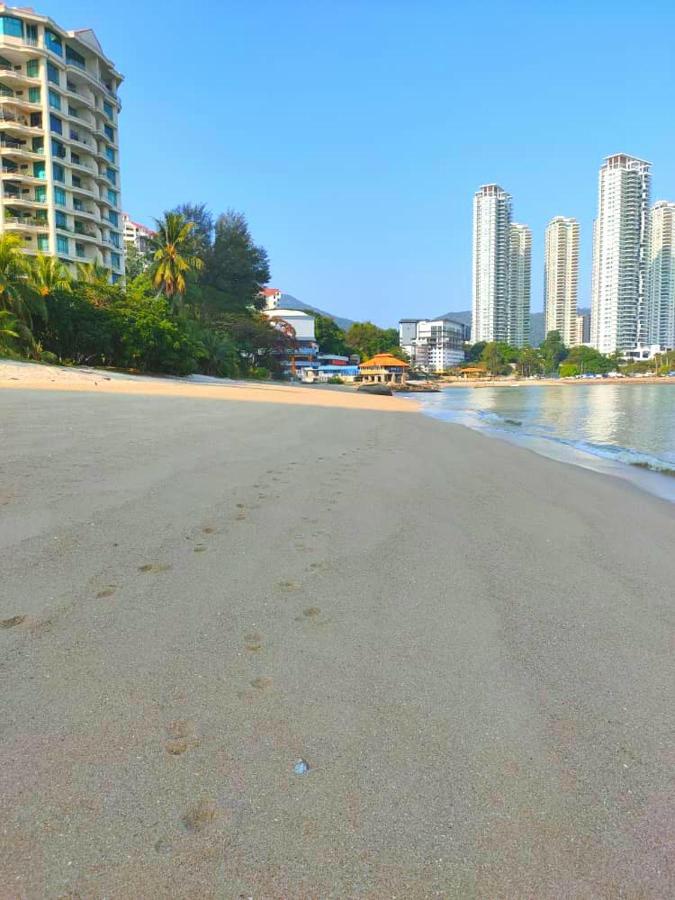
(662, 275)
(583, 329)
(433, 345)
(520, 267)
(59, 141)
(136, 235)
(561, 275)
(619, 314)
(491, 251)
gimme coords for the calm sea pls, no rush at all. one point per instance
(624, 429)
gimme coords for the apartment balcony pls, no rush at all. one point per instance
(18, 150)
(23, 224)
(91, 215)
(14, 175)
(23, 202)
(20, 47)
(80, 95)
(86, 168)
(11, 101)
(9, 121)
(16, 76)
(83, 191)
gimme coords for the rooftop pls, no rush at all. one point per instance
(384, 361)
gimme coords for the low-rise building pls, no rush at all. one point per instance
(298, 327)
(384, 368)
(137, 235)
(433, 345)
(272, 297)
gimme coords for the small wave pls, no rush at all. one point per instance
(653, 467)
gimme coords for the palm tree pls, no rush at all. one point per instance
(172, 257)
(93, 273)
(13, 332)
(14, 293)
(47, 275)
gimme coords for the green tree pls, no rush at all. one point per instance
(236, 268)
(46, 275)
(552, 352)
(366, 339)
(201, 235)
(173, 256)
(529, 362)
(136, 262)
(93, 273)
(16, 295)
(473, 353)
(329, 335)
(495, 357)
(584, 360)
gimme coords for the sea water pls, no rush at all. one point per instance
(622, 429)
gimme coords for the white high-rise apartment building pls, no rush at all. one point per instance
(619, 314)
(491, 251)
(59, 141)
(136, 235)
(433, 345)
(520, 269)
(561, 276)
(662, 275)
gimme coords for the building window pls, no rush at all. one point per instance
(43, 243)
(115, 239)
(116, 278)
(34, 94)
(54, 100)
(58, 150)
(59, 197)
(110, 153)
(33, 68)
(60, 218)
(62, 244)
(38, 145)
(59, 173)
(111, 175)
(79, 250)
(53, 74)
(75, 58)
(36, 120)
(55, 124)
(39, 170)
(112, 197)
(107, 109)
(116, 260)
(109, 132)
(53, 42)
(31, 35)
(41, 194)
(11, 27)
(113, 218)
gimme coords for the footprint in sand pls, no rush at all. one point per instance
(253, 641)
(200, 816)
(10, 623)
(262, 683)
(107, 591)
(179, 737)
(312, 612)
(288, 586)
(154, 567)
(200, 548)
(208, 529)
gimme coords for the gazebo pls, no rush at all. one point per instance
(384, 368)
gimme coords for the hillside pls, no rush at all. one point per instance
(291, 302)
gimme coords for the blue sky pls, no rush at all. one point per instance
(353, 133)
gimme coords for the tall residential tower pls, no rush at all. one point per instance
(619, 315)
(59, 141)
(520, 268)
(561, 274)
(662, 275)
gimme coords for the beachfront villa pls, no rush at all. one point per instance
(59, 141)
(384, 368)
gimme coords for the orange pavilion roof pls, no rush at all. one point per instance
(384, 361)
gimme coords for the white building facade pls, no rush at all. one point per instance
(433, 345)
(619, 308)
(59, 141)
(520, 281)
(561, 279)
(662, 275)
(136, 235)
(491, 251)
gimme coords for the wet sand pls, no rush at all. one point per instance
(470, 645)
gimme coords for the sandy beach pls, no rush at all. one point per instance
(470, 645)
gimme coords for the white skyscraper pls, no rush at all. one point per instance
(561, 274)
(520, 267)
(619, 314)
(491, 250)
(662, 275)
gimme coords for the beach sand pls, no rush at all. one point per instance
(470, 645)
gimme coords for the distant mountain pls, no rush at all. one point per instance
(288, 301)
(536, 322)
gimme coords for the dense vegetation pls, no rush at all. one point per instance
(361, 338)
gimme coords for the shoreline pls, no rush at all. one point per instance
(553, 382)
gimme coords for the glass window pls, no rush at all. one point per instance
(76, 181)
(111, 175)
(109, 132)
(112, 197)
(38, 145)
(34, 94)
(54, 100)
(60, 218)
(53, 42)
(59, 196)
(75, 58)
(107, 109)
(33, 68)
(110, 153)
(62, 244)
(114, 239)
(11, 26)
(31, 35)
(58, 150)
(53, 74)
(59, 173)
(39, 170)
(113, 218)
(36, 120)
(41, 194)
(79, 250)
(55, 124)
(43, 243)
(116, 260)
(116, 278)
